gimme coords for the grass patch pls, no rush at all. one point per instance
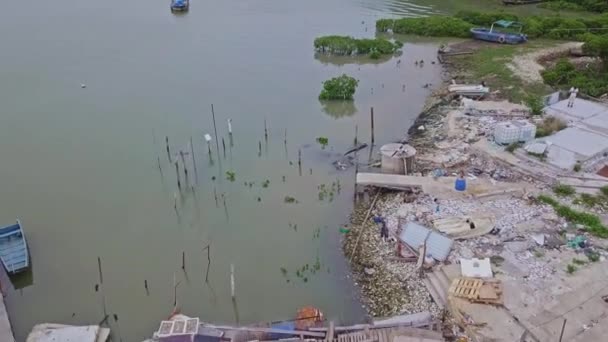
(512, 147)
(577, 167)
(564, 190)
(593, 256)
(549, 126)
(578, 261)
(489, 64)
(539, 156)
(592, 80)
(589, 200)
(570, 269)
(592, 223)
(538, 253)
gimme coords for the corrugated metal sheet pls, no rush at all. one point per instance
(437, 245)
(414, 234)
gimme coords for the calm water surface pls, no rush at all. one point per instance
(80, 165)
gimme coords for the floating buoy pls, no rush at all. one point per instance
(82, 85)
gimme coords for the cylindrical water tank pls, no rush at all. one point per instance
(460, 184)
(506, 133)
(397, 158)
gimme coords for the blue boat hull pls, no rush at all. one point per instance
(14, 253)
(498, 37)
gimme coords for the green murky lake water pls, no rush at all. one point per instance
(80, 165)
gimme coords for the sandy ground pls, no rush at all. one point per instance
(527, 67)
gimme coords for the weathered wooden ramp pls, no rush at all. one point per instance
(401, 334)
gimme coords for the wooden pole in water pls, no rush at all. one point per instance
(217, 141)
(224, 146)
(285, 137)
(168, 151)
(179, 184)
(99, 268)
(356, 133)
(259, 148)
(208, 248)
(372, 117)
(146, 287)
(183, 260)
(265, 130)
(232, 281)
(193, 160)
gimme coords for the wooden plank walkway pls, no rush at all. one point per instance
(402, 334)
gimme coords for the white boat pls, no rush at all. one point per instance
(469, 90)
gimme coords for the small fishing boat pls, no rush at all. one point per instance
(180, 5)
(469, 90)
(521, 2)
(13, 249)
(491, 35)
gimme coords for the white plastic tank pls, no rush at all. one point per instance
(506, 133)
(397, 158)
(527, 130)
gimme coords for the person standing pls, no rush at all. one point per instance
(436, 201)
(384, 231)
(572, 96)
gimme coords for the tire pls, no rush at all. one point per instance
(501, 39)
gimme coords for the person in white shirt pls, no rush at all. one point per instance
(572, 97)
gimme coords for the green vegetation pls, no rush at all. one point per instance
(589, 80)
(535, 103)
(339, 88)
(323, 141)
(599, 6)
(539, 253)
(593, 256)
(588, 200)
(231, 176)
(265, 183)
(571, 268)
(578, 261)
(564, 190)
(549, 126)
(541, 156)
(577, 167)
(512, 147)
(592, 222)
(289, 199)
(434, 26)
(554, 27)
(348, 46)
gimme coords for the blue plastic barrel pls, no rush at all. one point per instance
(461, 184)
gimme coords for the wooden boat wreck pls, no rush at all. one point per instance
(14, 253)
(497, 36)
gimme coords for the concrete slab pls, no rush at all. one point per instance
(579, 141)
(560, 157)
(582, 109)
(48, 332)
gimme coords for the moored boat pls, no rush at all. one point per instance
(469, 90)
(496, 36)
(180, 5)
(13, 249)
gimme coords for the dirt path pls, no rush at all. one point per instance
(527, 67)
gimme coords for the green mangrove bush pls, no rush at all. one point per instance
(339, 88)
(347, 46)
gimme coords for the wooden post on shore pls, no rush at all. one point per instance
(372, 117)
(179, 184)
(99, 269)
(561, 335)
(232, 290)
(168, 151)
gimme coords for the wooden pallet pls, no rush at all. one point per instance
(477, 290)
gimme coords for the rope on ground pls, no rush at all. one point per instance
(352, 254)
